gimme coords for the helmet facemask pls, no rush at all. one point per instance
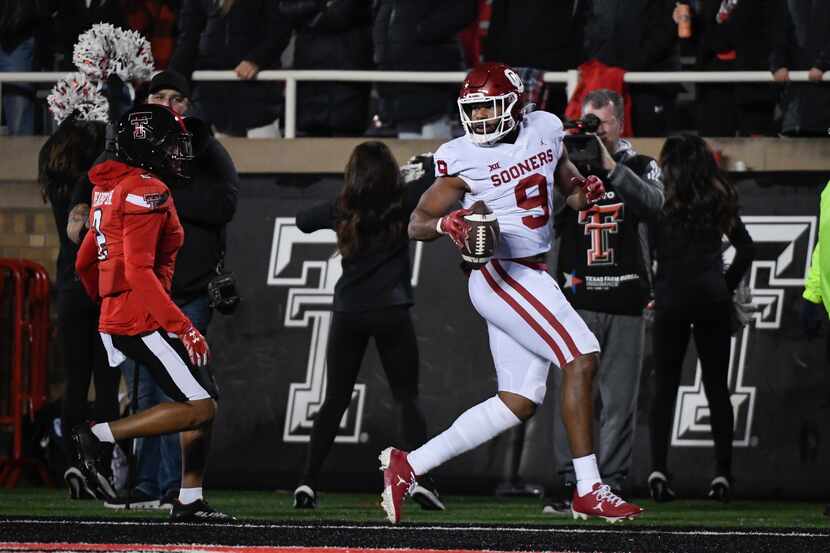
(179, 149)
(486, 132)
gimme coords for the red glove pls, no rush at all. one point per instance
(454, 225)
(196, 345)
(592, 187)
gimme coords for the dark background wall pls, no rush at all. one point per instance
(269, 357)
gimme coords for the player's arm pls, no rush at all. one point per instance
(317, 217)
(86, 265)
(579, 192)
(142, 232)
(429, 220)
(141, 235)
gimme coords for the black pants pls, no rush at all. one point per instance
(712, 335)
(395, 339)
(84, 359)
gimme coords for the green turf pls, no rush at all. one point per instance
(276, 506)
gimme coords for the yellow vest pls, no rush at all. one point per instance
(817, 286)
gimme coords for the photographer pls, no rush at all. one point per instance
(603, 270)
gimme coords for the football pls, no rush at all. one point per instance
(483, 238)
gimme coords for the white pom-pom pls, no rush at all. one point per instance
(104, 50)
(139, 55)
(75, 93)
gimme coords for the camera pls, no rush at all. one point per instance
(222, 293)
(583, 148)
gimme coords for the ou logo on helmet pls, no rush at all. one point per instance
(514, 79)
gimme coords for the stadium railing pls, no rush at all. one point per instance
(292, 76)
(24, 297)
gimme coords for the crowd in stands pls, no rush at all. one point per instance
(604, 38)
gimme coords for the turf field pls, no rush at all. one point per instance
(37, 517)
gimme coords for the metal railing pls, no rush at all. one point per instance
(292, 76)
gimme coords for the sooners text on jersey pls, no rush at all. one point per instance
(514, 180)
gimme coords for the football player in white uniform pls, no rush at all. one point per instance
(511, 161)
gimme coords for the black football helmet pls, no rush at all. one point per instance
(155, 138)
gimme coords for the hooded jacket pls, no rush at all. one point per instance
(127, 259)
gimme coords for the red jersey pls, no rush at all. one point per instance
(127, 257)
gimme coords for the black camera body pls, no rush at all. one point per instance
(584, 149)
(222, 293)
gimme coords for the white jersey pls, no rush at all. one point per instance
(514, 180)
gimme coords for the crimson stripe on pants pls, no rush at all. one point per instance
(549, 317)
(524, 315)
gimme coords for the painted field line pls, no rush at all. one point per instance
(139, 547)
(618, 530)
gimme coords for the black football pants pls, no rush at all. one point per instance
(349, 336)
(712, 334)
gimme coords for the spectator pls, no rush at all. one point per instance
(637, 35)
(734, 36)
(814, 307)
(205, 203)
(372, 299)
(694, 296)
(472, 37)
(418, 35)
(246, 37)
(551, 39)
(610, 253)
(74, 17)
(801, 42)
(63, 159)
(331, 35)
(19, 20)
(156, 20)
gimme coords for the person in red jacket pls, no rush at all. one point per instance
(127, 263)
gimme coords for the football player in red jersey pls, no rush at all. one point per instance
(511, 160)
(127, 263)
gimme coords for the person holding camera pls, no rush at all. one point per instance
(604, 273)
(206, 203)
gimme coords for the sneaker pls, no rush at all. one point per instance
(658, 485)
(305, 498)
(719, 489)
(94, 458)
(603, 503)
(559, 503)
(198, 511)
(137, 500)
(75, 481)
(557, 507)
(425, 495)
(167, 500)
(398, 481)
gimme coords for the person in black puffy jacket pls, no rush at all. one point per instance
(418, 35)
(333, 34)
(245, 36)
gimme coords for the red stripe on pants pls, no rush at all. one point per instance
(524, 315)
(548, 316)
